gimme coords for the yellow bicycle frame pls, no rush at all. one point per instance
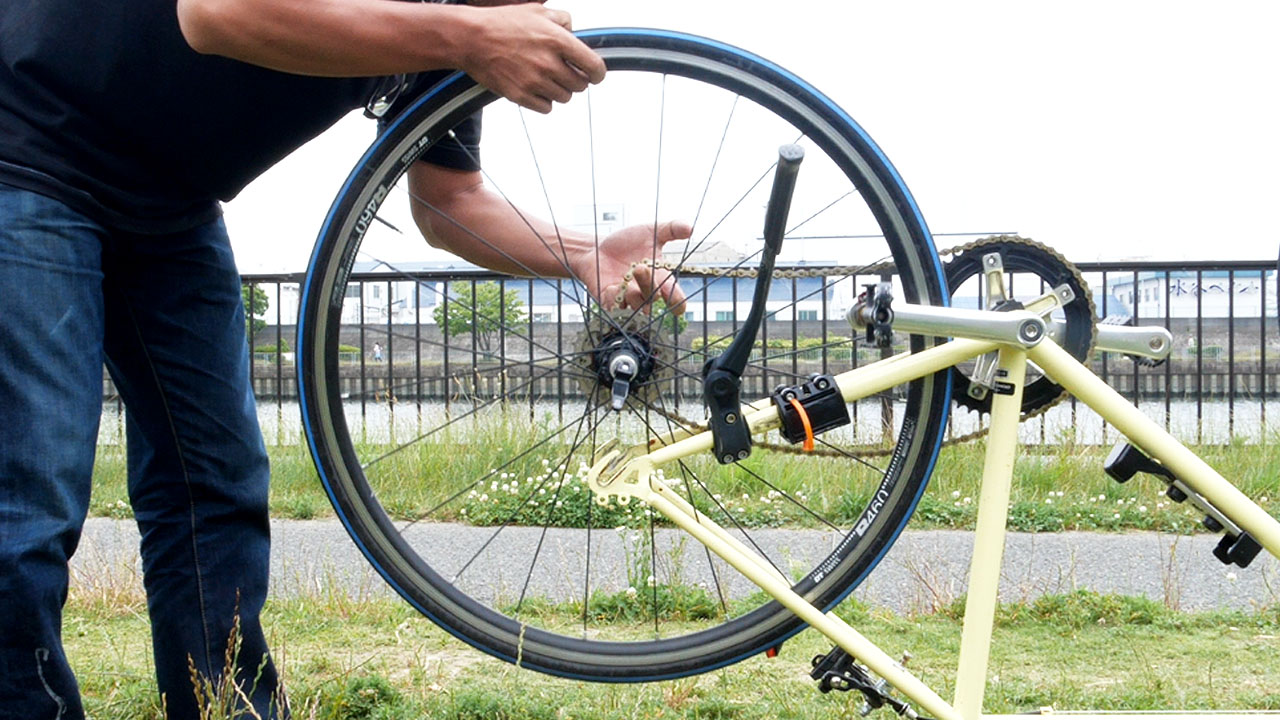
(632, 474)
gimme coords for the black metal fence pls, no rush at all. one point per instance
(411, 337)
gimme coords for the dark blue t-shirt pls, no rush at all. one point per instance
(104, 106)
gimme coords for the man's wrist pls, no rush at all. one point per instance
(452, 36)
(579, 254)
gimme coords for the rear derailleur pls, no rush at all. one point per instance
(837, 671)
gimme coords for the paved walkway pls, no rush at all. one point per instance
(924, 570)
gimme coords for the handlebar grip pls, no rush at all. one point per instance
(784, 185)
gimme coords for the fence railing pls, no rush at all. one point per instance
(409, 337)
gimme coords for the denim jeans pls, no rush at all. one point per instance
(164, 312)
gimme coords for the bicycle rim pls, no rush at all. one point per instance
(468, 499)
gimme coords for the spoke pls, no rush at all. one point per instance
(566, 366)
(704, 353)
(507, 522)
(787, 495)
(797, 351)
(825, 208)
(735, 522)
(724, 510)
(653, 572)
(715, 162)
(429, 433)
(657, 198)
(392, 390)
(795, 301)
(474, 310)
(850, 455)
(564, 255)
(586, 576)
(688, 487)
(595, 213)
(690, 250)
(711, 565)
(666, 311)
(562, 467)
(558, 432)
(562, 259)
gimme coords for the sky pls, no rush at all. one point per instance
(1109, 130)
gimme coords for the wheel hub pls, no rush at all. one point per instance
(622, 362)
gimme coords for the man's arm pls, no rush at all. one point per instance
(524, 52)
(455, 211)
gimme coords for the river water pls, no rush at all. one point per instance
(1208, 422)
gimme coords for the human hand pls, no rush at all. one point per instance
(527, 53)
(631, 250)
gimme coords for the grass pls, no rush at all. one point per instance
(1056, 488)
(345, 659)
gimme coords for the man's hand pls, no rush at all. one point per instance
(526, 53)
(615, 256)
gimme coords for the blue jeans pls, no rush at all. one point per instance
(165, 315)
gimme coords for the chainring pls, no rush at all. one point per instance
(1024, 256)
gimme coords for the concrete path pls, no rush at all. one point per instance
(923, 571)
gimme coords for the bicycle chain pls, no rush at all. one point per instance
(849, 270)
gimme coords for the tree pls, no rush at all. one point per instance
(481, 314)
(669, 322)
(255, 304)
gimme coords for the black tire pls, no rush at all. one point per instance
(365, 490)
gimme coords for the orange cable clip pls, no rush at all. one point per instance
(804, 419)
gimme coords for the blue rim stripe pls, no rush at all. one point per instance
(376, 147)
(893, 172)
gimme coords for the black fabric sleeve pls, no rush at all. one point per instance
(459, 152)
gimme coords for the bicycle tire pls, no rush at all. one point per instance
(365, 514)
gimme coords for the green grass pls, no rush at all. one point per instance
(344, 659)
(1055, 488)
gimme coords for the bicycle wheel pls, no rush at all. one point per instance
(455, 463)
